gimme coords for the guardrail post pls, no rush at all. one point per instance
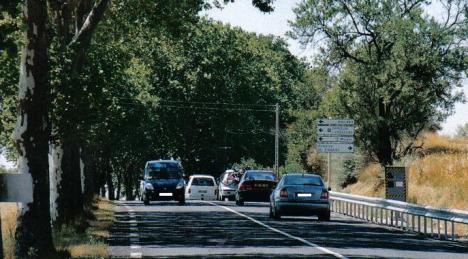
(412, 222)
(425, 225)
(419, 224)
(438, 228)
(391, 217)
(407, 222)
(453, 231)
(381, 216)
(445, 229)
(432, 227)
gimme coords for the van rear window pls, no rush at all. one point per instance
(202, 182)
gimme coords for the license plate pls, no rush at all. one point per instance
(201, 191)
(165, 194)
(304, 195)
(261, 185)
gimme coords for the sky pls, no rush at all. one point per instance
(242, 14)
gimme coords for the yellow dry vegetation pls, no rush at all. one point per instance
(369, 182)
(8, 214)
(438, 175)
(90, 244)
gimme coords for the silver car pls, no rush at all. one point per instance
(227, 186)
(300, 195)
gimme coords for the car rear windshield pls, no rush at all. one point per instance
(202, 182)
(270, 176)
(303, 180)
(164, 171)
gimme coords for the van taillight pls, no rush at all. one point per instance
(284, 193)
(324, 195)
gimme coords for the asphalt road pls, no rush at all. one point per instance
(223, 230)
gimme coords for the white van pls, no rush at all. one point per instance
(201, 187)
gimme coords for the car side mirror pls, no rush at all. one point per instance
(329, 188)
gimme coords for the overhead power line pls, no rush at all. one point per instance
(201, 108)
(207, 103)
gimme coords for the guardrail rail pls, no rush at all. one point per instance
(406, 216)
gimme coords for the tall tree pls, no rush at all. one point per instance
(397, 65)
(32, 133)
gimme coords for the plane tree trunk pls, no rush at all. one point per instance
(31, 135)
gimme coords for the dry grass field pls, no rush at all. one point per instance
(438, 175)
(8, 214)
(90, 244)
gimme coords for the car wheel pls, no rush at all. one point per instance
(239, 202)
(270, 215)
(146, 200)
(276, 214)
(182, 201)
(324, 216)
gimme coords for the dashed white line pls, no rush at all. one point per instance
(323, 249)
(134, 235)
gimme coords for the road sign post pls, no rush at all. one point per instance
(334, 136)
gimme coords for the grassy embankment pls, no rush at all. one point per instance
(89, 244)
(438, 174)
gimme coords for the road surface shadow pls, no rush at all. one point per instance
(224, 229)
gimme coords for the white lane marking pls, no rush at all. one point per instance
(323, 249)
(134, 236)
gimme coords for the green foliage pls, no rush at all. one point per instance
(10, 39)
(397, 66)
(247, 163)
(301, 133)
(462, 131)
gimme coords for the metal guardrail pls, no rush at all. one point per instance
(407, 216)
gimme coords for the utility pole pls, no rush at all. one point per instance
(277, 140)
(329, 170)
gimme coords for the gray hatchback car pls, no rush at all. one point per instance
(300, 195)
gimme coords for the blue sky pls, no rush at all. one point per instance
(242, 14)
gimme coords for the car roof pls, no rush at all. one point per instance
(303, 174)
(201, 176)
(163, 161)
(259, 171)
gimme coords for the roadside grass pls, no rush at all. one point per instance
(369, 182)
(89, 244)
(92, 242)
(437, 174)
(8, 213)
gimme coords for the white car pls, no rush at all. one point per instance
(201, 187)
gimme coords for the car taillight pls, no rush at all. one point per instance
(245, 186)
(324, 195)
(284, 193)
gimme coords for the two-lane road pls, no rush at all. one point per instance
(203, 229)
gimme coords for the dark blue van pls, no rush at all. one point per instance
(163, 181)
